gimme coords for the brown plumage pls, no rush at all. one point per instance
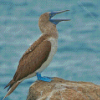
(40, 53)
(42, 48)
(26, 65)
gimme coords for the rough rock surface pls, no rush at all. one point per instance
(60, 89)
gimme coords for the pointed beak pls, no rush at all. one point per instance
(56, 21)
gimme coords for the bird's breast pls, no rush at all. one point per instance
(54, 43)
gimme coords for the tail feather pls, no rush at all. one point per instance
(10, 84)
(11, 88)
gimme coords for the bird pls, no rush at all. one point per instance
(39, 55)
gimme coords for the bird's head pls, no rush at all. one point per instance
(46, 23)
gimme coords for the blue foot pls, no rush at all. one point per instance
(46, 79)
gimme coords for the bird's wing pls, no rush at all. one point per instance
(33, 58)
(34, 45)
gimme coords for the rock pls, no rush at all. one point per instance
(60, 89)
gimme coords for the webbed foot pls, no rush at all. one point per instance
(46, 79)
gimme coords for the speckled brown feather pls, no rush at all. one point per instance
(34, 45)
(30, 61)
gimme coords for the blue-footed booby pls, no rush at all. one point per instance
(40, 53)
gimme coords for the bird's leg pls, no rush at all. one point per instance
(46, 79)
